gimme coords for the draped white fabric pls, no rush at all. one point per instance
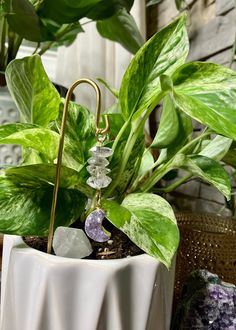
(91, 56)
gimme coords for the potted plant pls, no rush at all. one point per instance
(92, 294)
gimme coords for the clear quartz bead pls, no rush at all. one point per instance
(97, 170)
(99, 182)
(101, 151)
(98, 161)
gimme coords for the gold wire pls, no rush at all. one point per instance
(61, 144)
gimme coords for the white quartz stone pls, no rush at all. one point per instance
(71, 243)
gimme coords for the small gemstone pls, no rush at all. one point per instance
(99, 182)
(98, 161)
(93, 226)
(101, 151)
(97, 170)
(71, 243)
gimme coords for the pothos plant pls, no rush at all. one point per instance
(205, 92)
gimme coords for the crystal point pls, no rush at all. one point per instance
(98, 182)
(101, 151)
(71, 243)
(98, 161)
(97, 170)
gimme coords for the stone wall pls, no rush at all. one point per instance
(212, 31)
(211, 27)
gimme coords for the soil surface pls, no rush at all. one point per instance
(119, 245)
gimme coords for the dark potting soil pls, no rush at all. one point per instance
(119, 246)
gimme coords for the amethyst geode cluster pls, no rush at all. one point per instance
(207, 303)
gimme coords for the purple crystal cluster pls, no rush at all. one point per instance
(207, 304)
(93, 226)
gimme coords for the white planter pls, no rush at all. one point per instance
(45, 292)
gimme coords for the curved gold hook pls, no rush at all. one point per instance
(61, 144)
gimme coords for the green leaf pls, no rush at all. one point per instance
(23, 19)
(169, 125)
(105, 9)
(121, 28)
(45, 173)
(205, 168)
(41, 139)
(149, 221)
(162, 54)
(69, 11)
(166, 83)
(153, 2)
(207, 93)
(217, 148)
(130, 169)
(113, 91)
(147, 163)
(66, 11)
(68, 37)
(116, 123)
(25, 206)
(35, 96)
(79, 135)
(179, 4)
(8, 129)
(230, 158)
(183, 136)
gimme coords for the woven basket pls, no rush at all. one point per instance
(207, 242)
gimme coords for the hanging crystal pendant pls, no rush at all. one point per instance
(98, 161)
(93, 226)
(101, 151)
(99, 182)
(98, 169)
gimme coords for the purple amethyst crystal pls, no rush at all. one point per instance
(93, 226)
(207, 304)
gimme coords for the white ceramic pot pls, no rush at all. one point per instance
(45, 292)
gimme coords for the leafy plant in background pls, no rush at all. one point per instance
(54, 23)
(203, 91)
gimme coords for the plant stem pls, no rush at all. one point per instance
(174, 185)
(158, 173)
(119, 135)
(46, 47)
(3, 29)
(14, 42)
(58, 35)
(136, 127)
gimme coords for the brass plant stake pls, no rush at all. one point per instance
(99, 132)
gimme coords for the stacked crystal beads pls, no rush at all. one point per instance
(98, 167)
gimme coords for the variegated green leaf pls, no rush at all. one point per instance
(205, 168)
(207, 93)
(163, 53)
(45, 173)
(149, 221)
(25, 206)
(217, 148)
(169, 125)
(43, 140)
(79, 135)
(35, 96)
